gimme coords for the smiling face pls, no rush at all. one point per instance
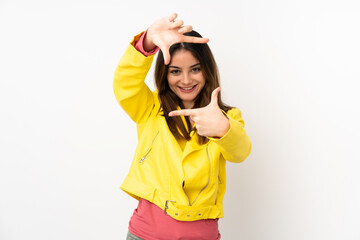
(185, 77)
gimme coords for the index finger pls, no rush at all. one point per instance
(172, 17)
(182, 112)
(190, 39)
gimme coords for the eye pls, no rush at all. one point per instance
(175, 71)
(195, 69)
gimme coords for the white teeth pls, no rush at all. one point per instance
(189, 88)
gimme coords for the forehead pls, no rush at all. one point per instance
(183, 58)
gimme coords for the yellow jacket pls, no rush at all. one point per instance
(187, 184)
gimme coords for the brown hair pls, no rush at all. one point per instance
(170, 101)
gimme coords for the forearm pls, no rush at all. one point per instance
(145, 46)
(129, 87)
(235, 144)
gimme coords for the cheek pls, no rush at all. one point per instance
(171, 81)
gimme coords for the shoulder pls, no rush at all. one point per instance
(234, 113)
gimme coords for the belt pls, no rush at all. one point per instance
(185, 213)
(170, 206)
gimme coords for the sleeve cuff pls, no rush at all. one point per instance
(138, 43)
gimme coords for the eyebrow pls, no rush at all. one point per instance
(190, 66)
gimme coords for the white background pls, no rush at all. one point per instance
(292, 67)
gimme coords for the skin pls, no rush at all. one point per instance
(184, 73)
(166, 32)
(210, 121)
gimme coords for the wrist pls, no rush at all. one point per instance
(148, 43)
(225, 127)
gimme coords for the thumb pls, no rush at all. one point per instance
(214, 96)
(166, 55)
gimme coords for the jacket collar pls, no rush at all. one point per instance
(192, 145)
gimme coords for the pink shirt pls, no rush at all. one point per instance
(151, 223)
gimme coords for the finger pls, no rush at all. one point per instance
(185, 29)
(214, 96)
(172, 17)
(183, 112)
(176, 24)
(166, 55)
(195, 39)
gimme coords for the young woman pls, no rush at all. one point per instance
(185, 134)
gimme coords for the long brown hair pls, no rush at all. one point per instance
(170, 101)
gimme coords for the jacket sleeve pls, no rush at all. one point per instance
(130, 90)
(235, 145)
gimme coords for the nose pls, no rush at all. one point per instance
(186, 79)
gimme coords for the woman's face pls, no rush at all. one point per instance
(185, 77)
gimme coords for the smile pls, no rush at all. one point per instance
(188, 89)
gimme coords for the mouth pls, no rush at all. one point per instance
(187, 89)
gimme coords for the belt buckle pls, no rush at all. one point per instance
(166, 206)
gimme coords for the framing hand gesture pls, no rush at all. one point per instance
(166, 32)
(210, 120)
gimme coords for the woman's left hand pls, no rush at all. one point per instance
(210, 120)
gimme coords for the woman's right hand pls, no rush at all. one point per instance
(166, 32)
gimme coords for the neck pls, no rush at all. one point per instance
(188, 105)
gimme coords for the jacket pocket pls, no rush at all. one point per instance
(147, 153)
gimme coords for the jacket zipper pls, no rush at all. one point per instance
(207, 184)
(148, 151)
(183, 184)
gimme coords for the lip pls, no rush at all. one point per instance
(187, 90)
